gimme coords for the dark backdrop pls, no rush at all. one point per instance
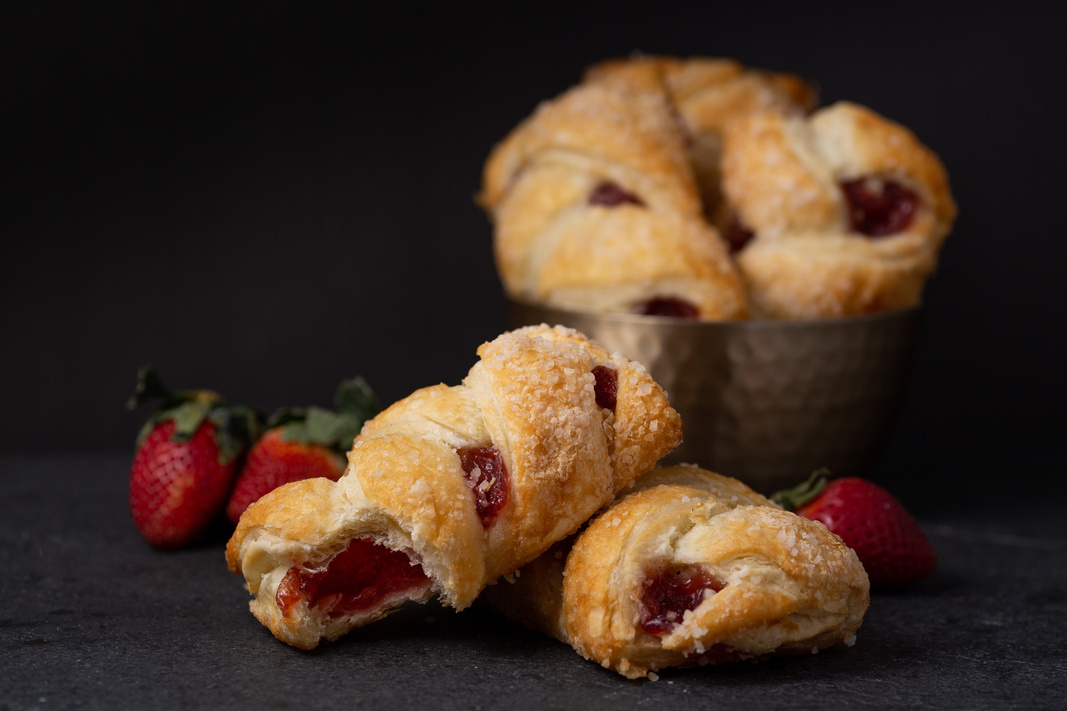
(270, 200)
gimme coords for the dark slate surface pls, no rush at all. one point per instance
(94, 618)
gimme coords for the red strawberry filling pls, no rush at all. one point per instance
(362, 577)
(488, 479)
(737, 236)
(673, 307)
(606, 387)
(667, 592)
(877, 207)
(609, 194)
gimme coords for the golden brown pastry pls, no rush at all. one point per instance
(452, 487)
(846, 210)
(692, 568)
(709, 93)
(595, 207)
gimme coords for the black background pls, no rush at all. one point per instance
(270, 200)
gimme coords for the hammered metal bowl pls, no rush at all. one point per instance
(767, 402)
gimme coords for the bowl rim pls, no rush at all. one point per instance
(621, 317)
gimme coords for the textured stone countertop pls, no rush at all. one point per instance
(95, 618)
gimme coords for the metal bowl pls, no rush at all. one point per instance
(767, 402)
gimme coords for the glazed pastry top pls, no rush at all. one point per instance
(466, 483)
(689, 568)
(700, 188)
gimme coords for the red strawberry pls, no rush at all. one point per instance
(187, 454)
(275, 460)
(888, 540)
(303, 444)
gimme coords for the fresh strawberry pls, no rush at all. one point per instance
(302, 444)
(275, 460)
(185, 461)
(888, 540)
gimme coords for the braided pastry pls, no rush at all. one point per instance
(845, 211)
(595, 206)
(454, 486)
(693, 568)
(709, 93)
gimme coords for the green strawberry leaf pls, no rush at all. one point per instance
(284, 416)
(348, 432)
(188, 417)
(236, 426)
(355, 403)
(793, 499)
(314, 425)
(149, 387)
(293, 431)
(355, 397)
(324, 426)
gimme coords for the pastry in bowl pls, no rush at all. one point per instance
(595, 207)
(708, 94)
(704, 189)
(844, 212)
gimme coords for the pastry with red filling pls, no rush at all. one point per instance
(708, 94)
(452, 487)
(595, 206)
(840, 213)
(691, 568)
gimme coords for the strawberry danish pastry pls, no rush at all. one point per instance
(595, 206)
(840, 213)
(692, 568)
(452, 487)
(709, 93)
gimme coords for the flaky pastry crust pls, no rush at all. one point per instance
(788, 585)
(714, 169)
(709, 93)
(532, 400)
(783, 177)
(557, 241)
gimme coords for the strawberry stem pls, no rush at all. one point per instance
(355, 397)
(187, 416)
(149, 387)
(235, 425)
(355, 403)
(793, 499)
